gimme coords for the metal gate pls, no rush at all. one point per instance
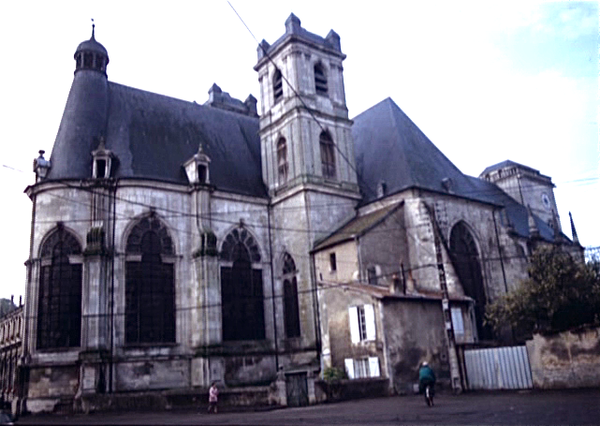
(498, 368)
(296, 389)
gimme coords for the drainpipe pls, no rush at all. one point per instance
(274, 305)
(499, 251)
(112, 288)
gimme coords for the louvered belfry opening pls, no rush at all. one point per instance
(241, 288)
(465, 257)
(150, 285)
(290, 297)
(59, 298)
(277, 86)
(320, 80)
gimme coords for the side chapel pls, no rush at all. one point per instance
(176, 244)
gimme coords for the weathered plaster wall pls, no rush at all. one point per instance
(335, 322)
(565, 360)
(414, 332)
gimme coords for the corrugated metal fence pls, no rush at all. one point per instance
(498, 368)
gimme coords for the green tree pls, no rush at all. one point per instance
(560, 293)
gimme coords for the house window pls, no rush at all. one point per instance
(332, 262)
(290, 297)
(362, 367)
(282, 162)
(457, 321)
(59, 297)
(362, 323)
(242, 302)
(320, 79)
(150, 284)
(372, 275)
(277, 86)
(327, 155)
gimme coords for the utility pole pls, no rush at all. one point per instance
(450, 339)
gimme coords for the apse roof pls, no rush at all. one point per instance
(152, 136)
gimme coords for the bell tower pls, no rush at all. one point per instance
(308, 166)
(304, 127)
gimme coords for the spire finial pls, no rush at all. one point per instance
(573, 230)
(93, 28)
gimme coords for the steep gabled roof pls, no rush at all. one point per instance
(390, 148)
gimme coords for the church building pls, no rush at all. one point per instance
(176, 244)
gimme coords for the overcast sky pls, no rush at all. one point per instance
(485, 81)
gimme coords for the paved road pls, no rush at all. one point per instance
(507, 408)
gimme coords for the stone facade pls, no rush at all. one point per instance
(176, 244)
(11, 351)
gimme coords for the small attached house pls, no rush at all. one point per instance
(375, 322)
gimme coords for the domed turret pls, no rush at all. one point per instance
(91, 55)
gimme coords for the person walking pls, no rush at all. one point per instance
(213, 398)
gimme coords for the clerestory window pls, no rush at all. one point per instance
(59, 297)
(242, 302)
(150, 284)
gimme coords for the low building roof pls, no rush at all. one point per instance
(357, 226)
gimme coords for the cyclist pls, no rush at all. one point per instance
(426, 378)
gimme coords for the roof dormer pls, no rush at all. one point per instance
(102, 161)
(197, 168)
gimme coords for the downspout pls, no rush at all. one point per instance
(112, 288)
(499, 251)
(316, 309)
(24, 374)
(273, 288)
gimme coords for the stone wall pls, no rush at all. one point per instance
(565, 360)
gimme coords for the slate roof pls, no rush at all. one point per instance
(411, 160)
(153, 135)
(390, 148)
(357, 226)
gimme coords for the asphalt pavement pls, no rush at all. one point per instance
(564, 407)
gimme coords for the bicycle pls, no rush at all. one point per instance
(429, 395)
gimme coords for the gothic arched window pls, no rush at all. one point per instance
(290, 297)
(320, 79)
(59, 297)
(282, 162)
(242, 301)
(277, 86)
(327, 155)
(150, 284)
(465, 258)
